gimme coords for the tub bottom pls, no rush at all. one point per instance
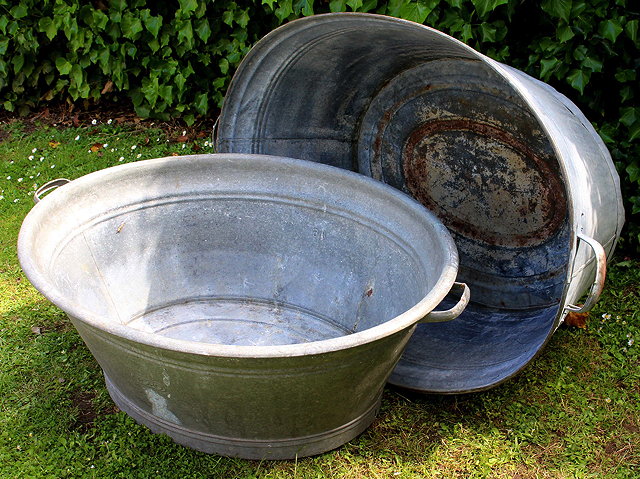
(238, 321)
(483, 347)
(247, 448)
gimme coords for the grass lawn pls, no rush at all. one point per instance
(574, 412)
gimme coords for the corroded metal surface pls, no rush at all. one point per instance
(511, 166)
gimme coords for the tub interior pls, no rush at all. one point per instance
(239, 268)
(415, 110)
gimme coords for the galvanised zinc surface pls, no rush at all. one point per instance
(244, 305)
(512, 167)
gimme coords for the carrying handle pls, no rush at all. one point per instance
(47, 187)
(598, 282)
(453, 313)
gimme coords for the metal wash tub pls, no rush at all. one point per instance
(244, 305)
(511, 166)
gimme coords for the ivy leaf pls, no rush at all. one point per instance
(153, 24)
(632, 30)
(151, 90)
(635, 132)
(19, 11)
(242, 18)
(63, 65)
(558, 8)
(201, 103)
(629, 116)
(354, 4)
(592, 64)
(488, 32)
(76, 76)
(131, 26)
(578, 79)
(284, 10)
(4, 21)
(485, 6)
(18, 63)
(47, 26)
(188, 6)
(100, 20)
(415, 12)
(228, 17)
(633, 170)
(610, 29)
(203, 29)
(565, 33)
(337, 6)
(269, 2)
(224, 66)
(548, 65)
(185, 33)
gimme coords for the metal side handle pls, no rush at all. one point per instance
(47, 187)
(598, 282)
(455, 311)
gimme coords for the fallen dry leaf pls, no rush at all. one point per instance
(96, 147)
(107, 87)
(54, 144)
(36, 330)
(576, 320)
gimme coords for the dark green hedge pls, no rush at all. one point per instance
(175, 58)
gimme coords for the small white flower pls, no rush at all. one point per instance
(138, 155)
(20, 180)
(206, 143)
(184, 132)
(607, 400)
(93, 122)
(16, 200)
(77, 137)
(53, 166)
(630, 342)
(606, 316)
(134, 147)
(37, 175)
(121, 158)
(31, 157)
(157, 139)
(34, 150)
(31, 177)
(8, 177)
(1, 197)
(42, 158)
(183, 145)
(105, 145)
(11, 162)
(109, 121)
(88, 151)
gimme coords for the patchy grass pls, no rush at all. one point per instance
(574, 412)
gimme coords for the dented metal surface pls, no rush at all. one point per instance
(511, 167)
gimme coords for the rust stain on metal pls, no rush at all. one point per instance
(536, 206)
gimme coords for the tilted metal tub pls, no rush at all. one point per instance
(511, 167)
(244, 305)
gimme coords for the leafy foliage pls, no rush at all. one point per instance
(174, 59)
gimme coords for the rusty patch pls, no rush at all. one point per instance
(543, 203)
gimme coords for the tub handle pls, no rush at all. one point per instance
(453, 313)
(51, 185)
(598, 282)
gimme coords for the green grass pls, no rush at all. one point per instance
(574, 412)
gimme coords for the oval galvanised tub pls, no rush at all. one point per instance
(512, 167)
(245, 305)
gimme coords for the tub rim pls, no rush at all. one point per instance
(401, 322)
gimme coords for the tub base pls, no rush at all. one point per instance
(289, 448)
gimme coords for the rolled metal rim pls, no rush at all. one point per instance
(394, 325)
